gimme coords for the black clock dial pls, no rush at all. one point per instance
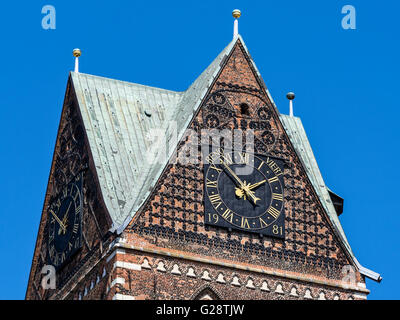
(64, 225)
(244, 191)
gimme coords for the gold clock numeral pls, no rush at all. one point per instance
(261, 164)
(213, 166)
(212, 184)
(76, 227)
(51, 252)
(210, 160)
(245, 223)
(272, 180)
(76, 195)
(77, 209)
(56, 259)
(277, 196)
(228, 215)
(244, 158)
(62, 259)
(227, 158)
(215, 200)
(263, 223)
(273, 212)
(70, 246)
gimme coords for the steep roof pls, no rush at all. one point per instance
(118, 118)
(121, 118)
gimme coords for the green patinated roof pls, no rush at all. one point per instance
(118, 126)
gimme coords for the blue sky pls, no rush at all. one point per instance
(346, 83)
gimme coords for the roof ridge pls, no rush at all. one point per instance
(125, 82)
(295, 130)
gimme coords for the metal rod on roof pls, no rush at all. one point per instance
(77, 53)
(236, 14)
(291, 97)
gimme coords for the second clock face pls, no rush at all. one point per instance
(64, 237)
(244, 191)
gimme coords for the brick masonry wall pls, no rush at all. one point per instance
(138, 275)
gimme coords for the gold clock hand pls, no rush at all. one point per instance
(64, 220)
(255, 185)
(233, 174)
(242, 185)
(58, 220)
(250, 194)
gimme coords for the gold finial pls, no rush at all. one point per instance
(77, 53)
(236, 13)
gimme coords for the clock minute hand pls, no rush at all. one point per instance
(233, 174)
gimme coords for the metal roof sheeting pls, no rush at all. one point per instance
(114, 114)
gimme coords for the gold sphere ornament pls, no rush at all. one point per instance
(236, 13)
(77, 53)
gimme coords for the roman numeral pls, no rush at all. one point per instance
(273, 212)
(272, 180)
(76, 227)
(77, 209)
(76, 195)
(51, 252)
(228, 215)
(263, 223)
(215, 200)
(227, 158)
(212, 184)
(244, 158)
(261, 164)
(70, 246)
(245, 223)
(277, 196)
(213, 166)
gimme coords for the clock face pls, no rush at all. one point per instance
(64, 224)
(244, 191)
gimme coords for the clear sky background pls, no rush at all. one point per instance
(346, 84)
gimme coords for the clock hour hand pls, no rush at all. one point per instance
(250, 193)
(241, 184)
(240, 192)
(255, 185)
(62, 226)
(64, 220)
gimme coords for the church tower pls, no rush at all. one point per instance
(210, 193)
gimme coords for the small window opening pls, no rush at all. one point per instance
(244, 109)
